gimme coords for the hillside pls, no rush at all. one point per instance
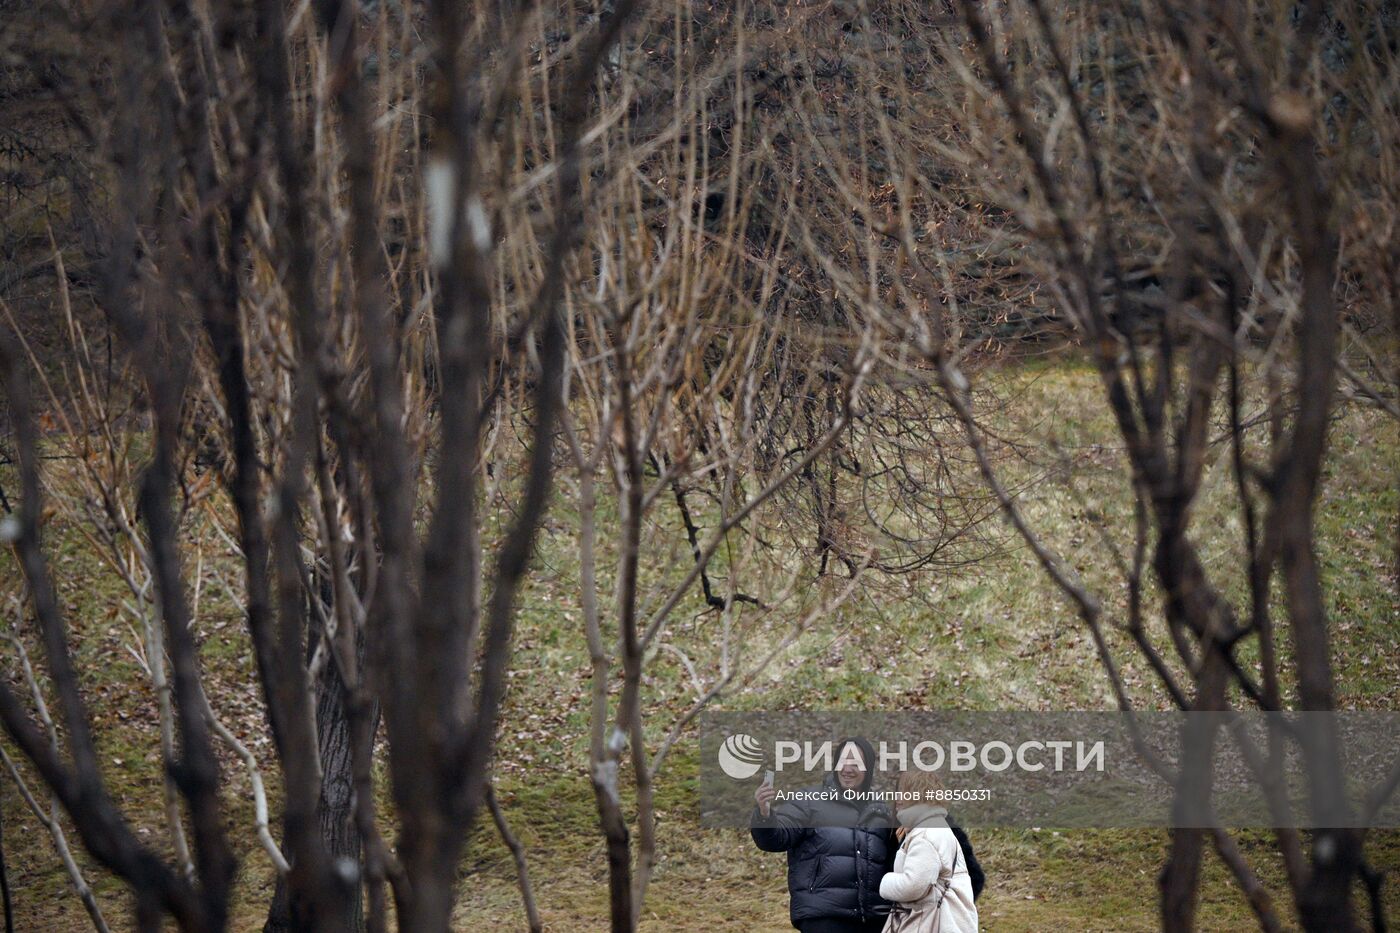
(995, 636)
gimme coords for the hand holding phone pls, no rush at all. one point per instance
(765, 794)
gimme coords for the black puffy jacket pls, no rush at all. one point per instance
(975, 874)
(837, 851)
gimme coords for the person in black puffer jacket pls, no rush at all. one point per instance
(837, 850)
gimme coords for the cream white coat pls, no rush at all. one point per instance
(928, 856)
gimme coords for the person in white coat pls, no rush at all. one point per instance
(930, 874)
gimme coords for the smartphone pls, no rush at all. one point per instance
(768, 778)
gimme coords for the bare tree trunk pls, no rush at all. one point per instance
(5, 886)
(603, 755)
(1181, 877)
(335, 810)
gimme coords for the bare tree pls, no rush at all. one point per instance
(724, 407)
(341, 286)
(1177, 199)
(204, 251)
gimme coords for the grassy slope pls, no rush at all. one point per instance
(996, 638)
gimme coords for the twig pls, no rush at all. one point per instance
(517, 852)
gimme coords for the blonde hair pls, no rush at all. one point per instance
(914, 787)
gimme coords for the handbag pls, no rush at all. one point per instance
(922, 917)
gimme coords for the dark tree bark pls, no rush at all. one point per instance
(335, 809)
(5, 885)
